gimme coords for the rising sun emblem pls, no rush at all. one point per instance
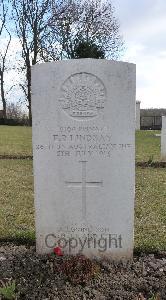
(82, 96)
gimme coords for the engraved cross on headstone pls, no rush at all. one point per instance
(84, 184)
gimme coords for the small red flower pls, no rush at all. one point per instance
(58, 251)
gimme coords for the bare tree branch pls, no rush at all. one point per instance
(3, 13)
(31, 19)
(89, 21)
(3, 51)
(24, 89)
(7, 92)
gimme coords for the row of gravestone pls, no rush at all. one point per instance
(84, 157)
(163, 139)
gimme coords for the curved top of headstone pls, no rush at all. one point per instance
(81, 62)
(82, 87)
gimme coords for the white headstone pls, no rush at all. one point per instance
(138, 115)
(163, 139)
(84, 156)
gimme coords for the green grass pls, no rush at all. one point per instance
(15, 140)
(150, 212)
(147, 145)
(7, 289)
(16, 201)
(17, 209)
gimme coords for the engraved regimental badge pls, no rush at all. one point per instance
(82, 96)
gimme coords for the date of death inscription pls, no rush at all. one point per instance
(78, 143)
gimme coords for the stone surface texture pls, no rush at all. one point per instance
(84, 157)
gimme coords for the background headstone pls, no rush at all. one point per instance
(163, 139)
(84, 156)
(138, 115)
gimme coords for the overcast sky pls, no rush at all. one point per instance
(143, 25)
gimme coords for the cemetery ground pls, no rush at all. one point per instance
(52, 277)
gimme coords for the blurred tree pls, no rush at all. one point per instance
(3, 50)
(31, 22)
(88, 50)
(93, 22)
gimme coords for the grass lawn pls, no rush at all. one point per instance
(150, 209)
(148, 145)
(17, 210)
(16, 140)
(16, 201)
